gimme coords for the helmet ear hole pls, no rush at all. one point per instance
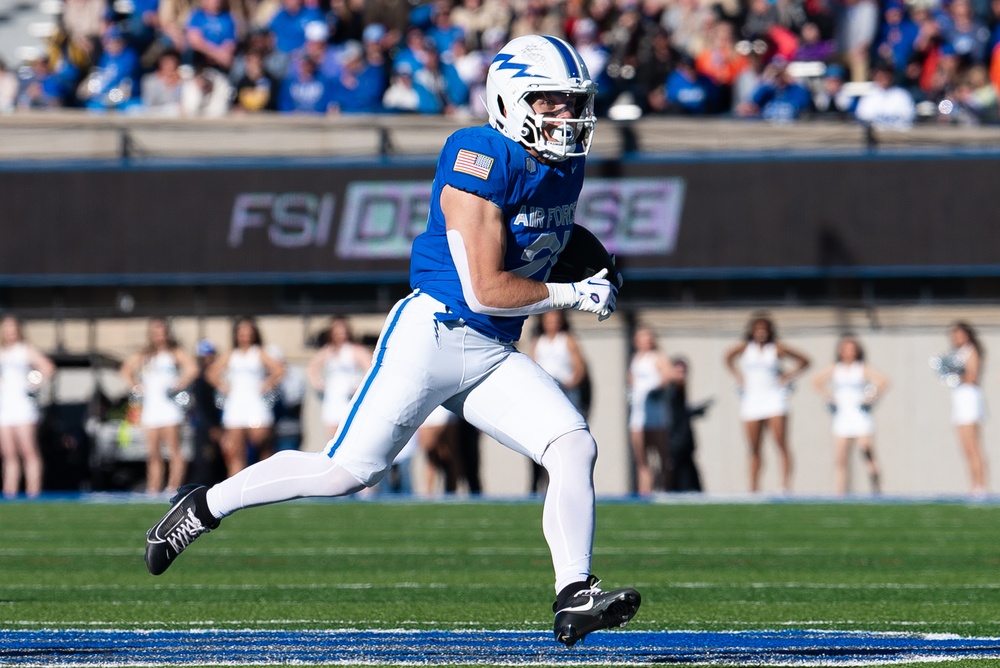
(503, 109)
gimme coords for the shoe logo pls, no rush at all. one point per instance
(584, 607)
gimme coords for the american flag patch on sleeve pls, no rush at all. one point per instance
(476, 164)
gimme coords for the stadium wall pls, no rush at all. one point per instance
(916, 444)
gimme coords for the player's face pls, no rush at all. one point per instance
(848, 351)
(554, 105)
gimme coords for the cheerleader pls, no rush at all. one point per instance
(756, 363)
(968, 409)
(851, 387)
(336, 371)
(157, 373)
(649, 372)
(22, 371)
(246, 377)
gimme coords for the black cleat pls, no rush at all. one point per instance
(591, 609)
(187, 519)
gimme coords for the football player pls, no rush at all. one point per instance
(502, 208)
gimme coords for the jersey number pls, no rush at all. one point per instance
(536, 257)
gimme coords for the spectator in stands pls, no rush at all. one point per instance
(685, 21)
(471, 67)
(8, 88)
(142, 26)
(161, 90)
(595, 54)
(972, 101)
(402, 95)
(360, 86)
(537, 18)
(762, 16)
(206, 94)
(256, 90)
(159, 373)
(896, 36)
(83, 22)
(38, 87)
(628, 43)
(477, 17)
(857, 26)
(275, 63)
(289, 24)
(329, 59)
(779, 97)
(968, 36)
(812, 47)
(831, 99)
(448, 93)
(885, 105)
(412, 52)
(304, 91)
(652, 72)
(394, 15)
(688, 92)
(443, 32)
(721, 62)
(173, 18)
(372, 39)
(211, 35)
(23, 370)
(113, 83)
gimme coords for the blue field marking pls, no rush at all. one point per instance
(518, 648)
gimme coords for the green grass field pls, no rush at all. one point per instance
(893, 567)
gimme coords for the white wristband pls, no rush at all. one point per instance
(561, 295)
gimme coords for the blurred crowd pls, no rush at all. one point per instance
(887, 63)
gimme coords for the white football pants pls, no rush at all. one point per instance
(422, 362)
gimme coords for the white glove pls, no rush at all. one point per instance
(595, 295)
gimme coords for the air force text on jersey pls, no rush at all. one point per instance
(380, 219)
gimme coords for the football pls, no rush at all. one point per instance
(583, 257)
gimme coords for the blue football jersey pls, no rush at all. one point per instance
(538, 202)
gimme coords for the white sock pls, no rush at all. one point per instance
(568, 516)
(286, 475)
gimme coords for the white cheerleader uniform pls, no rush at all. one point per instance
(967, 404)
(552, 354)
(648, 410)
(159, 379)
(763, 396)
(850, 418)
(17, 406)
(341, 377)
(245, 407)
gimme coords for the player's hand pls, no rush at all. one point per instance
(597, 295)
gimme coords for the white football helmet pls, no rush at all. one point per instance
(540, 64)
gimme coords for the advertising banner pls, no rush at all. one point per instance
(307, 223)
